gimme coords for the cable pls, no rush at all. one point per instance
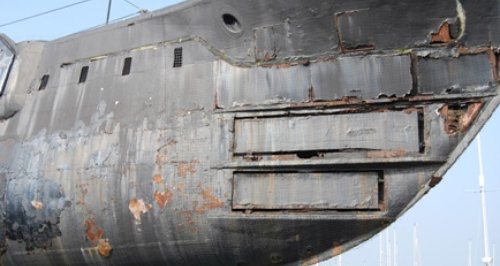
(141, 10)
(126, 16)
(43, 13)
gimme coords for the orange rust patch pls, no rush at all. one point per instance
(162, 198)
(386, 154)
(185, 168)
(137, 207)
(36, 204)
(92, 231)
(211, 201)
(443, 35)
(158, 179)
(104, 248)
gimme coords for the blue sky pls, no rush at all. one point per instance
(448, 217)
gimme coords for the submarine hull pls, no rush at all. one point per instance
(237, 132)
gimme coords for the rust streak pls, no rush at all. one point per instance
(162, 198)
(443, 35)
(92, 231)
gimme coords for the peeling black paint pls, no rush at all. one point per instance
(34, 225)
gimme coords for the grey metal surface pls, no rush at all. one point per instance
(370, 131)
(140, 169)
(7, 54)
(306, 191)
(365, 77)
(455, 74)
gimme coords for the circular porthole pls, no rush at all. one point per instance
(231, 23)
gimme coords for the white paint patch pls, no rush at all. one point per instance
(461, 17)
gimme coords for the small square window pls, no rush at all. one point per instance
(127, 65)
(178, 57)
(43, 82)
(83, 74)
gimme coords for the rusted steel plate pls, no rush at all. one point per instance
(239, 86)
(363, 77)
(374, 131)
(281, 191)
(451, 74)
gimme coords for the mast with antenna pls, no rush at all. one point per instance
(487, 260)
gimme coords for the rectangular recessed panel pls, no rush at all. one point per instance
(293, 191)
(371, 131)
(441, 75)
(364, 77)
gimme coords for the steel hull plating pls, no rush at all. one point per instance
(237, 132)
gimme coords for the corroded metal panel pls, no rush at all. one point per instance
(321, 97)
(280, 191)
(365, 77)
(451, 74)
(377, 131)
(238, 86)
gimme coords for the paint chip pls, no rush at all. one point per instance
(92, 231)
(158, 179)
(443, 35)
(37, 204)
(137, 207)
(162, 198)
(104, 248)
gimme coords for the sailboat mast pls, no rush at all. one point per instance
(394, 250)
(416, 252)
(486, 259)
(470, 253)
(381, 250)
(109, 12)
